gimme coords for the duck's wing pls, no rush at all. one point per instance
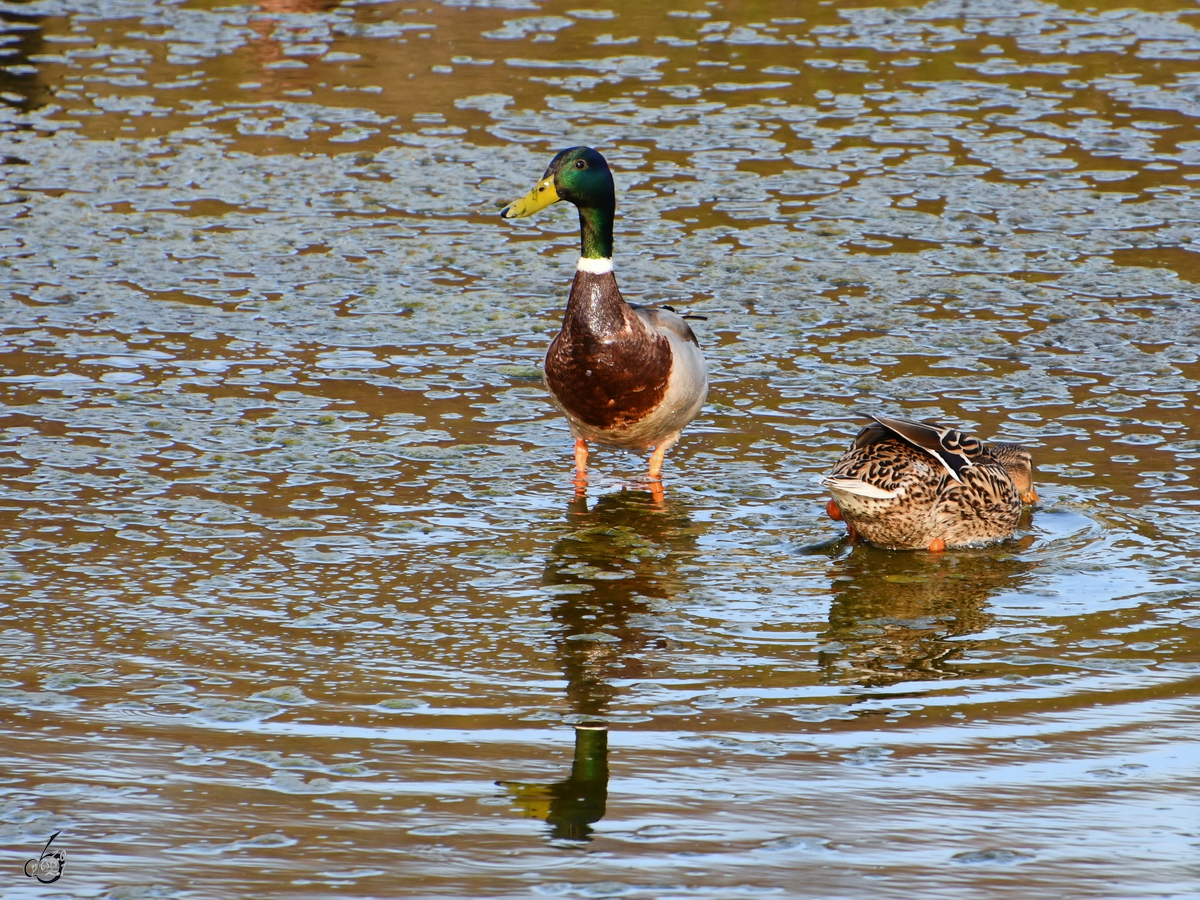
(950, 447)
(882, 467)
(860, 487)
(663, 318)
(871, 433)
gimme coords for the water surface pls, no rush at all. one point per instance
(297, 598)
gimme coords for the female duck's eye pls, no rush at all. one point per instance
(580, 164)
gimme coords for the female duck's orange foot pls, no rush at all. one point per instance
(937, 545)
(853, 536)
(833, 511)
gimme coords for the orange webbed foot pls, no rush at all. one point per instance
(834, 511)
(937, 545)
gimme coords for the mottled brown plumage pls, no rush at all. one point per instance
(920, 485)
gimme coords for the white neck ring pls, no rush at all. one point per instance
(594, 266)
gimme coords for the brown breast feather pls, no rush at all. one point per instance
(606, 367)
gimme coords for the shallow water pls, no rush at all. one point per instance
(297, 598)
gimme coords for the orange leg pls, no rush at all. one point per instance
(937, 545)
(656, 462)
(581, 455)
(835, 512)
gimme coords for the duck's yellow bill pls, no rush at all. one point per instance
(536, 200)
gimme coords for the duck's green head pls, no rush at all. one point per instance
(579, 175)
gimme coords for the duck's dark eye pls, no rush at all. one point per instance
(580, 164)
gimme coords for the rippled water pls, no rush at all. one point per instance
(297, 598)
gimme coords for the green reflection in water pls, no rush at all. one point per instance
(571, 806)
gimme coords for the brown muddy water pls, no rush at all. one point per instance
(297, 599)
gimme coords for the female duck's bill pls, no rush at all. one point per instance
(911, 485)
(625, 376)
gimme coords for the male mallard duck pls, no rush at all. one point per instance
(626, 376)
(910, 485)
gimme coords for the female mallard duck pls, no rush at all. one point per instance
(626, 376)
(912, 485)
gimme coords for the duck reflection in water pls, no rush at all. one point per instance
(269, 50)
(571, 806)
(899, 616)
(21, 82)
(610, 574)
